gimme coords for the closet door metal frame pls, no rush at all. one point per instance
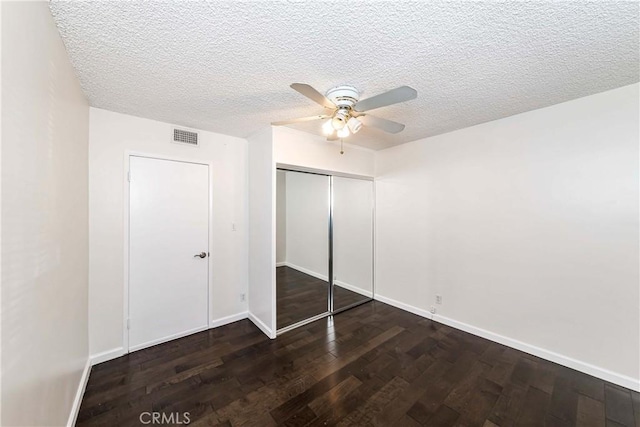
(330, 306)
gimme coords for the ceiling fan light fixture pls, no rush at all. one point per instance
(327, 127)
(340, 118)
(337, 123)
(354, 125)
(344, 132)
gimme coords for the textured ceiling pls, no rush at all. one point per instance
(226, 66)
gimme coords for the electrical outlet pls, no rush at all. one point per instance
(243, 297)
(438, 299)
(233, 227)
(433, 310)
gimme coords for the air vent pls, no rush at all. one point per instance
(181, 136)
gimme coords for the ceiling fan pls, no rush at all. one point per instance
(347, 113)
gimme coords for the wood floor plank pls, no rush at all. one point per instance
(618, 405)
(590, 412)
(405, 421)
(444, 417)
(505, 411)
(635, 398)
(321, 371)
(544, 376)
(480, 402)
(352, 402)
(460, 395)
(372, 407)
(324, 403)
(588, 385)
(398, 407)
(523, 372)
(564, 400)
(534, 410)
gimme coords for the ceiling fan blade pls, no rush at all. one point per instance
(383, 124)
(400, 94)
(302, 119)
(313, 94)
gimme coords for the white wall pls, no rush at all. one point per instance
(527, 227)
(262, 232)
(281, 217)
(294, 147)
(308, 223)
(45, 119)
(113, 134)
(353, 235)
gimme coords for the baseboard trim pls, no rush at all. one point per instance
(168, 338)
(77, 401)
(107, 355)
(228, 319)
(578, 365)
(403, 306)
(264, 328)
(281, 264)
(352, 288)
(304, 270)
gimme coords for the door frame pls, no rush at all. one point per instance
(125, 183)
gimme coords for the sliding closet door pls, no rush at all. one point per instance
(352, 241)
(302, 246)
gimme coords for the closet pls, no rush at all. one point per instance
(324, 244)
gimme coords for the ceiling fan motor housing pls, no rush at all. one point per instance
(343, 96)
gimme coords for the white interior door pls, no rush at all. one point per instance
(168, 229)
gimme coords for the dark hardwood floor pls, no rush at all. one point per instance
(300, 296)
(372, 365)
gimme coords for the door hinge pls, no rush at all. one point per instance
(129, 176)
(128, 323)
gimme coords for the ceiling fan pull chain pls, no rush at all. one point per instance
(341, 146)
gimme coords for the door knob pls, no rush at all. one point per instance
(201, 255)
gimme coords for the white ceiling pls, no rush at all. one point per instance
(226, 66)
